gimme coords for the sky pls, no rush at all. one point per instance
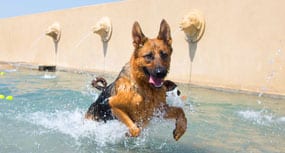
(11, 8)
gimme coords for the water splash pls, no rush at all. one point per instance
(281, 119)
(83, 38)
(177, 30)
(262, 117)
(48, 76)
(36, 41)
(73, 124)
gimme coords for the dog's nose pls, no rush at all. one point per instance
(160, 72)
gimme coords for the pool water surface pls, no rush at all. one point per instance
(46, 115)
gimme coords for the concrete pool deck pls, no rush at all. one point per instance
(243, 47)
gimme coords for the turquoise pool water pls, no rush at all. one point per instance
(46, 116)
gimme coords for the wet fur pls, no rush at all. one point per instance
(131, 97)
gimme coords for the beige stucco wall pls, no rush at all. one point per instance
(243, 46)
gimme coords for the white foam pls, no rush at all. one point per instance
(256, 116)
(261, 117)
(73, 124)
(47, 76)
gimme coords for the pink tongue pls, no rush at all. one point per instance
(157, 82)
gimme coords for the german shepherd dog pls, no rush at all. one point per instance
(138, 93)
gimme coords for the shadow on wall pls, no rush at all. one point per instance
(55, 47)
(192, 51)
(105, 48)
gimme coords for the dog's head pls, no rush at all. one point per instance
(151, 58)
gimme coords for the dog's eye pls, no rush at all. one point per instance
(149, 56)
(163, 55)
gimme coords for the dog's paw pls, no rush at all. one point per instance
(89, 116)
(134, 131)
(181, 126)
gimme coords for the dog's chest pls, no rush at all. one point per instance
(150, 101)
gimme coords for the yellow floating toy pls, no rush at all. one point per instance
(2, 96)
(2, 73)
(9, 98)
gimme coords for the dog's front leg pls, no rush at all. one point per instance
(123, 116)
(181, 121)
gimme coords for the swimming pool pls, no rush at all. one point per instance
(46, 115)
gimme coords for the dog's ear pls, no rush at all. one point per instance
(138, 37)
(164, 32)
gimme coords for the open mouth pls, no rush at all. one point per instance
(155, 81)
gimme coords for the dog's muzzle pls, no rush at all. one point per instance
(160, 72)
(156, 76)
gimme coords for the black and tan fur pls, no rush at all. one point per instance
(138, 92)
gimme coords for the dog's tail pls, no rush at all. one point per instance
(99, 83)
